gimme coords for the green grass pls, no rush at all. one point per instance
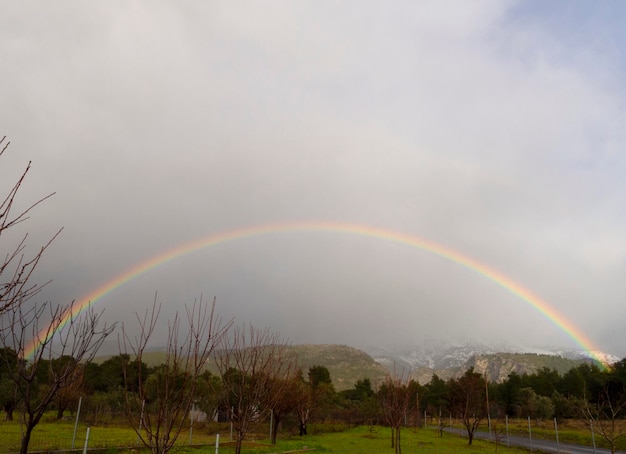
(378, 439)
(53, 436)
(374, 439)
(56, 435)
(368, 440)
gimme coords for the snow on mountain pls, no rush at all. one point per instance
(606, 358)
(442, 355)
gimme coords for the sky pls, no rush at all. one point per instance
(491, 128)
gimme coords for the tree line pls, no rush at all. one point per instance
(254, 380)
(589, 391)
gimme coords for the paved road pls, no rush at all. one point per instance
(545, 446)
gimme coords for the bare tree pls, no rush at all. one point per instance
(158, 408)
(607, 413)
(59, 343)
(250, 361)
(45, 332)
(69, 396)
(394, 395)
(16, 267)
(285, 397)
(468, 400)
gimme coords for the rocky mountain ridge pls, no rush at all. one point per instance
(451, 359)
(446, 359)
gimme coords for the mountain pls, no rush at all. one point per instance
(346, 364)
(498, 366)
(433, 354)
(449, 359)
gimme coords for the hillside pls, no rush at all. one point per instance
(345, 364)
(498, 366)
(450, 359)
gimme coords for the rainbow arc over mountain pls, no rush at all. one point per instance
(334, 228)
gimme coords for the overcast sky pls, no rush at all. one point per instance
(495, 128)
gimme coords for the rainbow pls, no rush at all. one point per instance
(332, 227)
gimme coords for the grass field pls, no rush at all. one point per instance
(49, 436)
(58, 435)
(368, 440)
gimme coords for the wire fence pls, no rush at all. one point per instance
(49, 436)
(59, 436)
(66, 434)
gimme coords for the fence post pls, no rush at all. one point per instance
(530, 435)
(86, 441)
(593, 435)
(556, 431)
(232, 411)
(80, 401)
(506, 421)
(217, 443)
(191, 415)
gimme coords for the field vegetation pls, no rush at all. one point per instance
(583, 399)
(337, 437)
(324, 438)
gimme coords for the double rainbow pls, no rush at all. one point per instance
(332, 227)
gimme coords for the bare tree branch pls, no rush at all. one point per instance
(251, 361)
(606, 414)
(394, 396)
(48, 357)
(43, 346)
(158, 408)
(16, 269)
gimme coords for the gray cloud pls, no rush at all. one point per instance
(487, 128)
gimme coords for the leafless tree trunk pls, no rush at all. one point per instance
(468, 398)
(305, 402)
(312, 396)
(69, 396)
(394, 395)
(250, 361)
(58, 342)
(158, 409)
(285, 397)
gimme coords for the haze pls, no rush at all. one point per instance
(494, 128)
